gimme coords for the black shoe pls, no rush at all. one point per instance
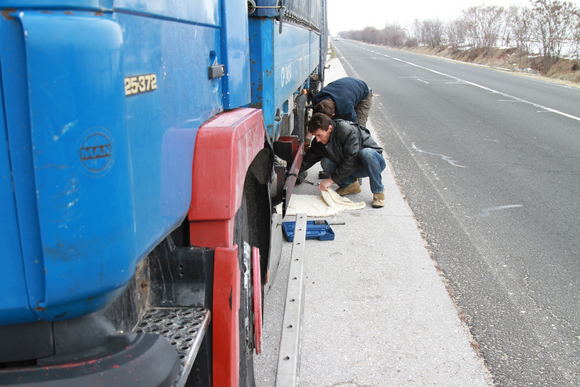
(323, 175)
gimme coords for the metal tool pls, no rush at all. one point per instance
(318, 221)
(311, 183)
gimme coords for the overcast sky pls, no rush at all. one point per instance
(346, 15)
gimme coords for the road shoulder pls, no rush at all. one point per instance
(376, 311)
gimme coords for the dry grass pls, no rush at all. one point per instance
(511, 59)
(331, 51)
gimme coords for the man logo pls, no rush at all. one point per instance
(96, 152)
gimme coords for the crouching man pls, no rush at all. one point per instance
(346, 152)
(346, 98)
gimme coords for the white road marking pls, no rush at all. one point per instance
(564, 86)
(443, 157)
(416, 78)
(347, 62)
(487, 211)
(485, 88)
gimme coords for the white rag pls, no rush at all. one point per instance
(341, 203)
(329, 203)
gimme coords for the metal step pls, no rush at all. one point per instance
(184, 328)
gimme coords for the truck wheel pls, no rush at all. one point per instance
(246, 315)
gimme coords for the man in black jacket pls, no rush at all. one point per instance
(346, 152)
(346, 98)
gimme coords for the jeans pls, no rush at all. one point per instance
(362, 109)
(373, 164)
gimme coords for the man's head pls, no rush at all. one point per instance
(320, 126)
(326, 106)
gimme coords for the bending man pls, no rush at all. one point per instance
(346, 98)
(346, 152)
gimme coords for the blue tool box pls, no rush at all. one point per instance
(315, 229)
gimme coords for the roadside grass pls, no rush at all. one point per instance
(331, 52)
(511, 59)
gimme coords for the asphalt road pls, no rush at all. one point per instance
(489, 162)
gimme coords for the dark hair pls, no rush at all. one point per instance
(326, 106)
(319, 121)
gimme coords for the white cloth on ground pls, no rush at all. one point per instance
(341, 203)
(329, 203)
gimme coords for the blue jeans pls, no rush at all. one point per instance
(373, 164)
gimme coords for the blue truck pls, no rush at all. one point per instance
(143, 148)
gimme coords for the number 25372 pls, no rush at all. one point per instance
(140, 84)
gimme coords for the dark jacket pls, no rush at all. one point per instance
(346, 141)
(346, 93)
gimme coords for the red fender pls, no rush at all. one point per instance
(224, 149)
(226, 306)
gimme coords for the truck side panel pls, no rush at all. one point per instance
(292, 53)
(230, 16)
(117, 116)
(107, 176)
(12, 279)
(205, 12)
(22, 189)
(80, 155)
(236, 47)
(284, 56)
(98, 5)
(162, 143)
(283, 63)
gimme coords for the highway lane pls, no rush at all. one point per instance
(490, 164)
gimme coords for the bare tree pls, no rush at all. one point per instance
(411, 42)
(470, 20)
(506, 30)
(432, 32)
(521, 25)
(483, 25)
(455, 32)
(417, 31)
(372, 35)
(490, 23)
(394, 35)
(552, 26)
(576, 36)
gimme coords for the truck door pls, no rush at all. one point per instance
(15, 215)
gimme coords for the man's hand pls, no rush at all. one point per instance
(325, 184)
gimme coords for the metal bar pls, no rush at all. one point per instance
(289, 355)
(292, 176)
(276, 241)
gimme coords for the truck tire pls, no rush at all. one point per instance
(246, 330)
